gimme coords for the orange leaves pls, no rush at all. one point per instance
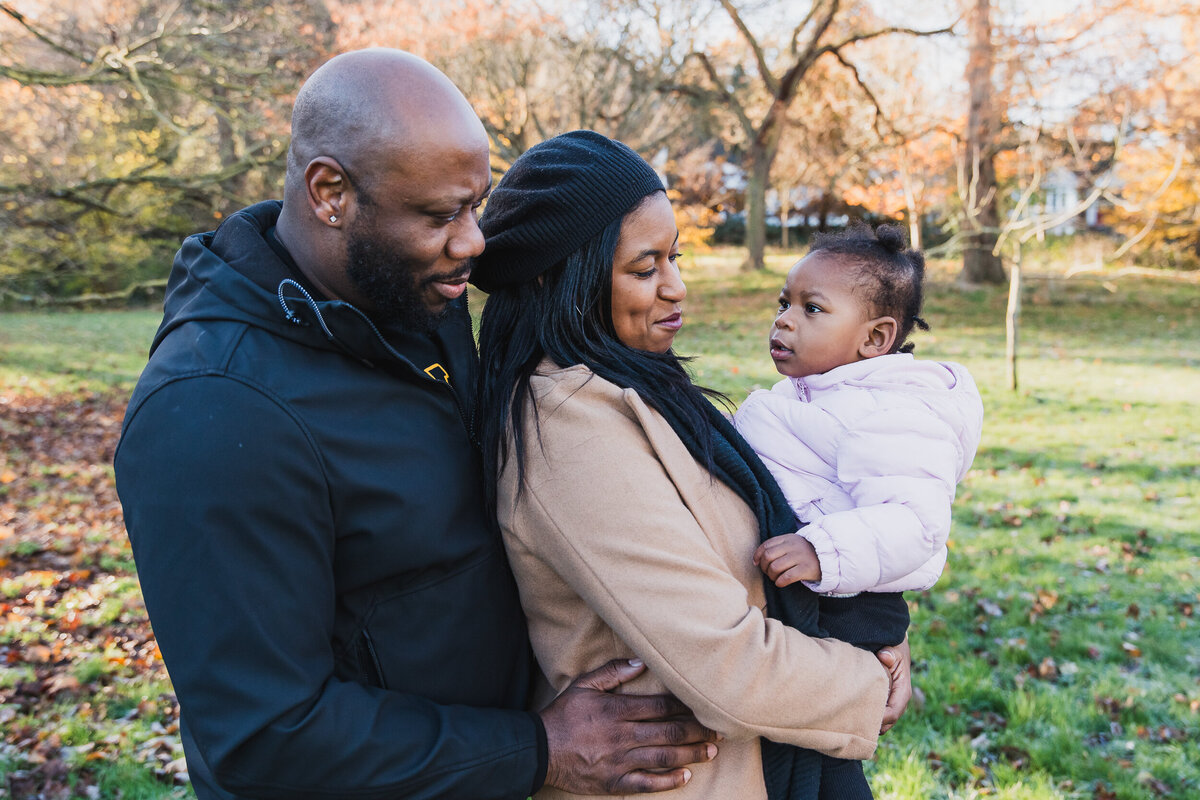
(1045, 600)
(1132, 650)
(72, 619)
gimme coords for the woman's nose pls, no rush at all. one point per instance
(673, 288)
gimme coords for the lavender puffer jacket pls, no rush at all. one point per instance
(869, 455)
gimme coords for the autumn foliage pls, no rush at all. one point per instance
(76, 647)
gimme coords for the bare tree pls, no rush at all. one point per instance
(759, 98)
(531, 73)
(980, 192)
(164, 115)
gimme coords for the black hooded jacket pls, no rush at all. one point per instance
(306, 512)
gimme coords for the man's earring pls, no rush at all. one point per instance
(333, 217)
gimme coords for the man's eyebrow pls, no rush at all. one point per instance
(459, 200)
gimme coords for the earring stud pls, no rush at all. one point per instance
(333, 217)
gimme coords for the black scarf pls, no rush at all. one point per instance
(790, 773)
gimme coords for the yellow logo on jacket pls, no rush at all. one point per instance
(438, 373)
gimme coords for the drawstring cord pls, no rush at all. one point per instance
(291, 315)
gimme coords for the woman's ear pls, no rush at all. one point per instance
(881, 335)
(328, 190)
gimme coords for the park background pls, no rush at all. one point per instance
(1046, 155)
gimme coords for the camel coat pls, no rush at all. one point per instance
(624, 546)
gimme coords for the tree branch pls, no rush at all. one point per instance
(764, 69)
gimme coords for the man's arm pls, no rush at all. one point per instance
(229, 514)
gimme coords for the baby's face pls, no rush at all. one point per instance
(821, 323)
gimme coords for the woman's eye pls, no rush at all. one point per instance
(647, 274)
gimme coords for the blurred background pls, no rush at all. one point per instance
(983, 126)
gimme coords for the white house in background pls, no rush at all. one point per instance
(1060, 193)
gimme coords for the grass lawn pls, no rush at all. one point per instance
(1059, 656)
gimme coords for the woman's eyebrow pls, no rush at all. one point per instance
(654, 251)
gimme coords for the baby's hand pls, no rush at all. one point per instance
(787, 559)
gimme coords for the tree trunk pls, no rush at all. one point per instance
(910, 203)
(756, 208)
(784, 210)
(1012, 321)
(980, 262)
(914, 229)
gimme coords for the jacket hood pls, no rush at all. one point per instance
(232, 274)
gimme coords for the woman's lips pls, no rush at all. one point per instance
(673, 322)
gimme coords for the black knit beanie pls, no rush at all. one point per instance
(555, 197)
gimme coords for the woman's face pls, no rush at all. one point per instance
(647, 291)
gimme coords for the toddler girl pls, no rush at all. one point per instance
(867, 443)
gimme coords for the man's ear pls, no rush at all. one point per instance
(329, 191)
(881, 335)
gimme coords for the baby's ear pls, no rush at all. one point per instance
(881, 335)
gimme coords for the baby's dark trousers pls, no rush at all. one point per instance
(872, 621)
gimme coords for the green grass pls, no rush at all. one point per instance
(68, 352)
(1059, 655)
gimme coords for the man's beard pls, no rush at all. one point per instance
(387, 279)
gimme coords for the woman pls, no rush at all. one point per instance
(630, 508)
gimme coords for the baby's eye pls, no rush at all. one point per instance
(784, 305)
(812, 308)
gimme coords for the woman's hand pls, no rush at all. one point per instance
(787, 559)
(897, 660)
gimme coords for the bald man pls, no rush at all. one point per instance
(302, 489)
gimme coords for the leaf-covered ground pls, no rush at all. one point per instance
(86, 709)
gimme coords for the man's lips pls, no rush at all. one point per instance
(450, 286)
(779, 349)
(450, 289)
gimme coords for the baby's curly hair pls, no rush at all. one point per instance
(891, 274)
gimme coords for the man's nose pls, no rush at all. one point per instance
(467, 240)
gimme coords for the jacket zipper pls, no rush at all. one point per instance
(468, 422)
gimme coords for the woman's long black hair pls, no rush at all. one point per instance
(566, 315)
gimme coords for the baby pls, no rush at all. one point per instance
(867, 443)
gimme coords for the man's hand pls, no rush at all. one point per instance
(897, 660)
(604, 743)
(787, 559)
